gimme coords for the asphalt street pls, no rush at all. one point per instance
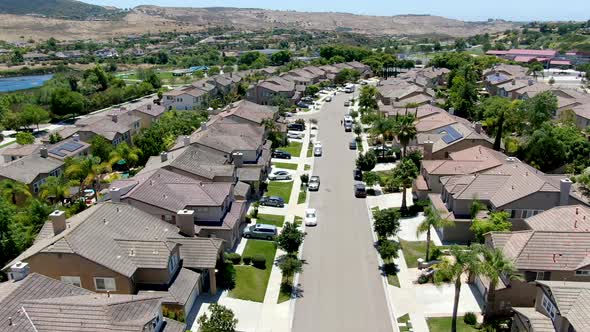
(342, 288)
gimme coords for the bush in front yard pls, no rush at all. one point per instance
(470, 318)
(247, 260)
(226, 275)
(259, 261)
(235, 258)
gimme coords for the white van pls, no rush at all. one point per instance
(349, 88)
(317, 149)
(348, 120)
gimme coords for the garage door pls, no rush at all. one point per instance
(481, 287)
(192, 298)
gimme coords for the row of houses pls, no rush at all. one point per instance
(512, 81)
(414, 87)
(549, 58)
(159, 234)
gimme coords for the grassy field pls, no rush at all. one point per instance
(285, 165)
(393, 280)
(285, 293)
(404, 319)
(270, 219)
(302, 195)
(412, 251)
(251, 282)
(307, 167)
(443, 324)
(298, 220)
(294, 148)
(281, 189)
(310, 150)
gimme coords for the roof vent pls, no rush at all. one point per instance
(132, 252)
(577, 211)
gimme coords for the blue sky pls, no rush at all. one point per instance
(474, 10)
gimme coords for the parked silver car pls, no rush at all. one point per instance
(314, 183)
(260, 231)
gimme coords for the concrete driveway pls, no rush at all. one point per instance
(342, 289)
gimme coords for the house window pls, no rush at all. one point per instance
(549, 307)
(172, 263)
(582, 273)
(72, 281)
(105, 284)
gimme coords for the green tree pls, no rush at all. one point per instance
(87, 171)
(501, 115)
(386, 223)
(368, 98)
(540, 109)
(311, 90)
(64, 102)
(432, 219)
(222, 319)
(405, 131)
(366, 161)
(249, 58)
(405, 173)
(463, 92)
(154, 80)
(24, 138)
(465, 261)
(100, 147)
(496, 267)
(346, 75)
(13, 190)
(290, 238)
(55, 189)
(460, 44)
(358, 130)
(535, 67)
(280, 58)
(34, 115)
(290, 265)
(388, 250)
(17, 57)
(497, 222)
(371, 178)
(131, 155)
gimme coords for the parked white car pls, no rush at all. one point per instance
(317, 149)
(311, 217)
(279, 175)
(295, 134)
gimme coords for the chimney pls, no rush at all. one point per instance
(513, 81)
(149, 106)
(58, 220)
(76, 137)
(452, 111)
(43, 152)
(204, 125)
(18, 271)
(185, 221)
(238, 158)
(478, 127)
(186, 140)
(204, 84)
(114, 117)
(115, 194)
(164, 156)
(565, 185)
(231, 74)
(428, 149)
(531, 82)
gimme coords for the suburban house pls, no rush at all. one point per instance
(18, 151)
(538, 255)
(513, 187)
(501, 74)
(117, 248)
(264, 92)
(72, 147)
(247, 112)
(184, 99)
(560, 306)
(430, 77)
(32, 170)
(32, 302)
(148, 114)
(525, 55)
(472, 160)
(163, 193)
(399, 93)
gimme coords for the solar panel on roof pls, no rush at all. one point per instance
(70, 146)
(451, 134)
(57, 152)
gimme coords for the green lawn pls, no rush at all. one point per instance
(251, 282)
(443, 324)
(294, 148)
(281, 189)
(307, 167)
(310, 150)
(6, 144)
(298, 220)
(302, 195)
(285, 293)
(270, 219)
(285, 165)
(412, 251)
(404, 319)
(393, 280)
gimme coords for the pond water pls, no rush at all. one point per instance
(8, 84)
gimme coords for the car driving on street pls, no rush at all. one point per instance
(314, 183)
(275, 201)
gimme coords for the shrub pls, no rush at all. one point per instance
(470, 318)
(226, 275)
(233, 257)
(247, 260)
(259, 261)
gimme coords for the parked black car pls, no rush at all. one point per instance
(352, 145)
(296, 126)
(358, 174)
(275, 201)
(360, 190)
(281, 154)
(347, 127)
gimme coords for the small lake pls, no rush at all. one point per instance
(8, 84)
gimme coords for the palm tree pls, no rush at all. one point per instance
(405, 130)
(404, 174)
(55, 189)
(496, 266)
(432, 220)
(11, 190)
(125, 152)
(465, 261)
(87, 171)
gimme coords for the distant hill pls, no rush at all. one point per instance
(68, 9)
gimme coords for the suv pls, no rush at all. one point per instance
(358, 174)
(261, 231)
(360, 190)
(296, 126)
(352, 145)
(275, 201)
(281, 154)
(314, 183)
